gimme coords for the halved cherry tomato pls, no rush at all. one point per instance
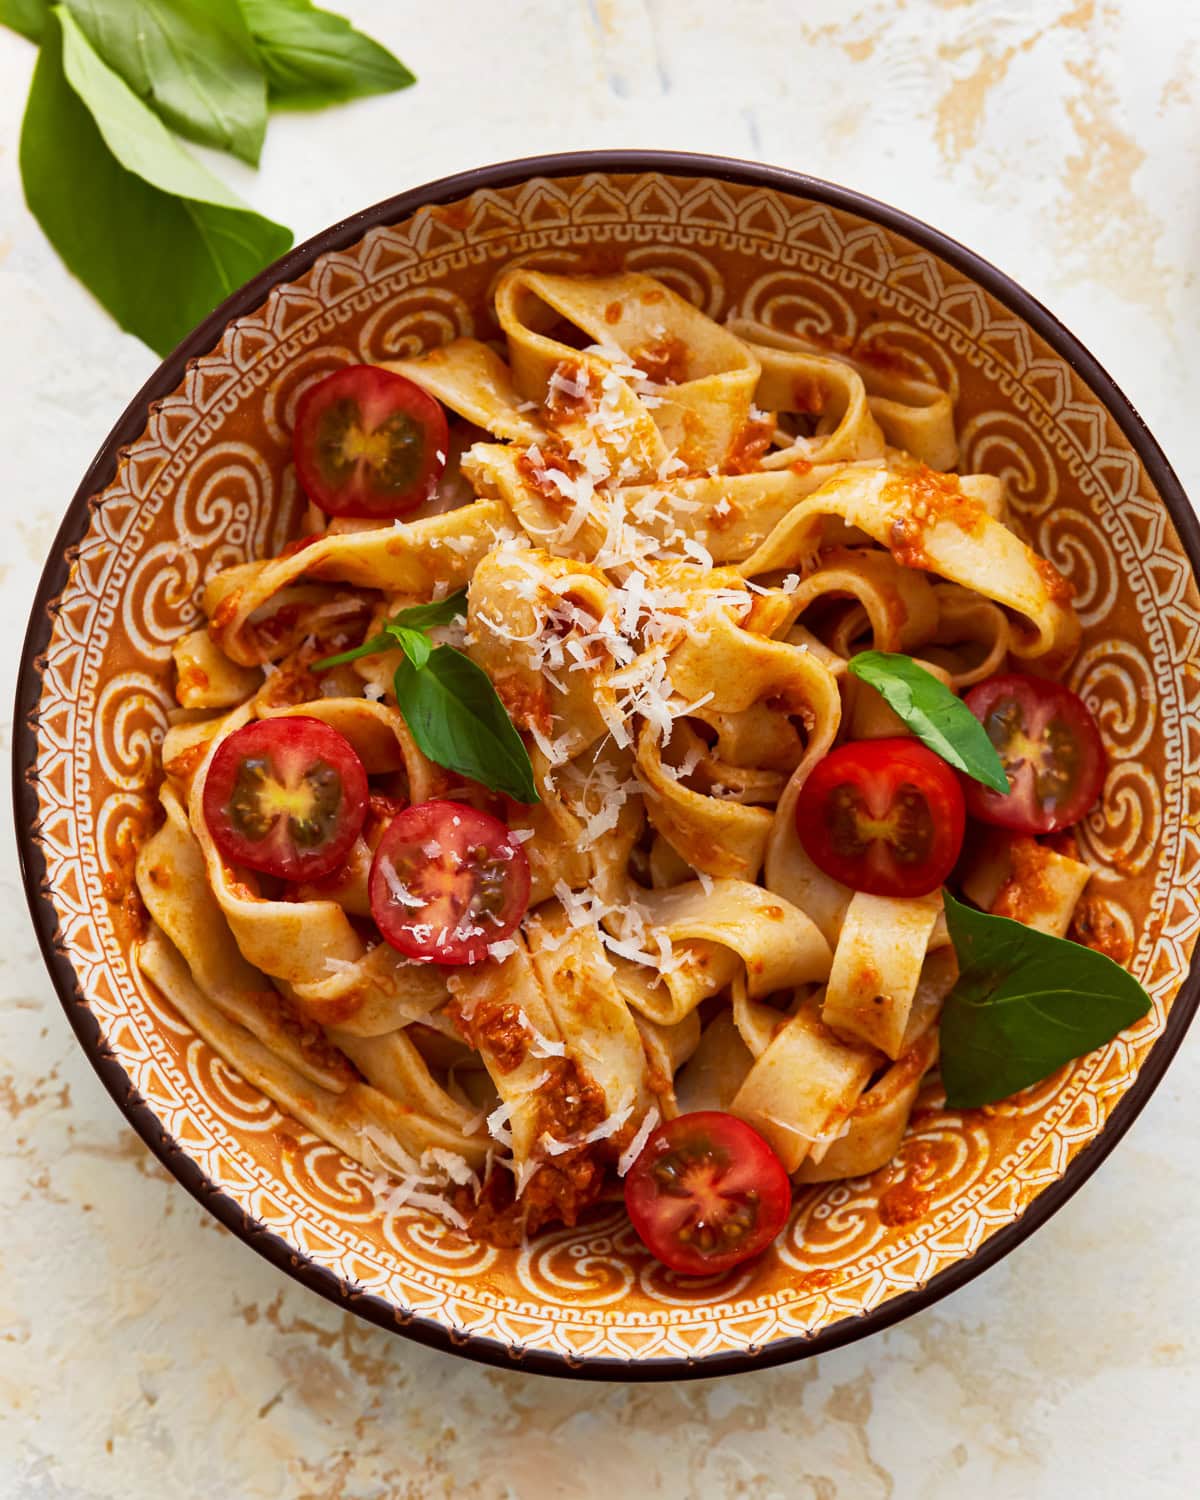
(707, 1193)
(369, 443)
(446, 881)
(286, 796)
(1051, 751)
(882, 816)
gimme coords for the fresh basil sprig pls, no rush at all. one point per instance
(458, 720)
(1024, 1003)
(449, 704)
(312, 57)
(404, 629)
(933, 713)
(115, 78)
(29, 17)
(174, 240)
(192, 61)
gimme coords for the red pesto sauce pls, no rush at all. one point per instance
(665, 361)
(907, 1200)
(561, 1188)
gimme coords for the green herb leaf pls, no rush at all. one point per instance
(437, 612)
(417, 617)
(370, 647)
(1024, 1004)
(156, 237)
(457, 720)
(933, 713)
(415, 644)
(312, 57)
(448, 702)
(192, 61)
(29, 17)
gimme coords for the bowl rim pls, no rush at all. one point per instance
(422, 1328)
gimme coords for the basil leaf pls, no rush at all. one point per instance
(417, 617)
(457, 720)
(371, 647)
(1024, 1004)
(933, 713)
(149, 231)
(415, 644)
(437, 612)
(29, 17)
(192, 61)
(312, 57)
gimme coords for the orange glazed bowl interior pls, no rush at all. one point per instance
(197, 474)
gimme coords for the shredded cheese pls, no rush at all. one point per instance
(638, 1143)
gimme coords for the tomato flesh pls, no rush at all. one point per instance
(707, 1193)
(1051, 750)
(369, 442)
(448, 880)
(286, 796)
(882, 816)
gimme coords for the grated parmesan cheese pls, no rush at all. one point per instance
(397, 889)
(542, 1045)
(340, 965)
(638, 1143)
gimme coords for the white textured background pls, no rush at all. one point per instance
(144, 1352)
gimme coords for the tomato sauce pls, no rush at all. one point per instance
(494, 1027)
(749, 444)
(1094, 926)
(664, 362)
(184, 766)
(298, 544)
(808, 395)
(929, 498)
(564, 403)
(554, 456)
(558, 1192)
(908, 1200)
(569, 1103)
(1028, 892)
(885, 357)
(1059, 590)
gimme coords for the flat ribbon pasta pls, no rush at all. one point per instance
(700, 379)
(407, 557)
(877, 966)
(723, 668)
(363, 1121)
(927, 521)
(864, 401)
(472, 380)
(716, 932)
(171, 879)
(803, 1085)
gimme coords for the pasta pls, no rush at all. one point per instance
(673, 535)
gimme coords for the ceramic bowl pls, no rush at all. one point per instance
(196, 474)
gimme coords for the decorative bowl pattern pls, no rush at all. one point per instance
(197, 475)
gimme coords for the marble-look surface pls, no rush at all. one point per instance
(144, 1352)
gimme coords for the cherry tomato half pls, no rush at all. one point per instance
(286, 796)
(1051, 751)
(446, 881)
(707, 1193)
(882, 816)
(369, 443)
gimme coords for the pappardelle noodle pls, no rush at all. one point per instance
(610, 837)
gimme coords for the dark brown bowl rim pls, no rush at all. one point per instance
(336, 1289)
